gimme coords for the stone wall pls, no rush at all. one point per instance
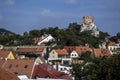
(87, 20)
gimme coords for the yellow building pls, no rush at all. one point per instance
(6, 55)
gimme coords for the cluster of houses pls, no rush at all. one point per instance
(40, 62)
(45, 63)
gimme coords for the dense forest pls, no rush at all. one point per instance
(69, 36)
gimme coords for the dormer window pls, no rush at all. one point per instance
(25, 66)
(10, 66)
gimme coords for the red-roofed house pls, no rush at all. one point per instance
(6, 55)
(81, 49)
(59, 55)
(28, 69)
(76, 50)
(113, 47)
(20, 67)
(99, 52)
(69, 48)
(46, 71)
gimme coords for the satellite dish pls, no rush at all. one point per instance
(1, 46)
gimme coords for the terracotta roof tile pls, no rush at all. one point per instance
(2, 61)
(19, 66)
(69, 48)
(6, 75)
(110, 43)
(99, 52)
(44, 70)
(81, 49)
(4, 54)
(61, 52)
(78, 49)
(40, 49)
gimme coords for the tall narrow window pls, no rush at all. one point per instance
(10, 66)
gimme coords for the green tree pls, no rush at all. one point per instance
(99, 69)
(35, 33)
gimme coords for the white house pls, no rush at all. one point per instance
(44, 39)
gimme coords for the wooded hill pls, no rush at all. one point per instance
(69, 36)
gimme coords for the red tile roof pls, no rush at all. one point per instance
(19, 66)
(40, 49)
(44, 70)
(6, 75)
(78, 49)
(99, 52)
(61, 52)
(110, 43)
(4, 54)
(69, 48)
(2, 61)
(81, 49)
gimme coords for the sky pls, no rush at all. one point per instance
(24, 15)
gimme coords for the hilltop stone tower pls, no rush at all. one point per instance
(88, 24)
(87, 20)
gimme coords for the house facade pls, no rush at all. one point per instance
(74, 54)
(57, 55)
(113, 47)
